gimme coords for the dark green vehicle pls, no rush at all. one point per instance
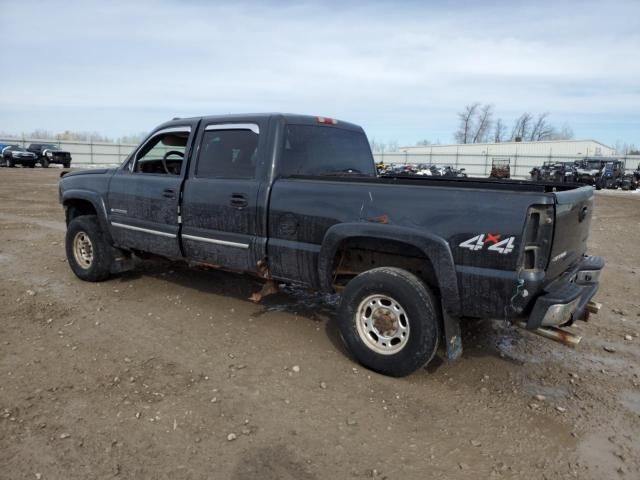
(297, 199)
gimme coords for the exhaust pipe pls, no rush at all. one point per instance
(593, 307)
(554, 333)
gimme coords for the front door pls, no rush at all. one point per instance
(219, 209)
(144, 194)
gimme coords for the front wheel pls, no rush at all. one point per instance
(44, 163)
(390, 320)
(88, 253)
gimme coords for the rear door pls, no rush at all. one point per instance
(573, 218)
(220, 218)
(144, 194)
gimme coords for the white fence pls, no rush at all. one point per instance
(83, 153)
(99, 153)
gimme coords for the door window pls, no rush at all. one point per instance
(162, 154)
(228, 152)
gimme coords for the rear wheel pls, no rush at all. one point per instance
(88, 253)
(390, 321)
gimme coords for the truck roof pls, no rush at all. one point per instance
(293, 118)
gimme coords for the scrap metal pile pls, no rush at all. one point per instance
(598, 172)
(421, 169)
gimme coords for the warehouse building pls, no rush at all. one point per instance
(573, 148)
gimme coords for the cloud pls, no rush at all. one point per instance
(400, 69)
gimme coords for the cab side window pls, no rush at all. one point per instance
(228, 153)
(162, 154)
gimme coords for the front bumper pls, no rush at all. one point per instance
(24, 160)
(565, 299)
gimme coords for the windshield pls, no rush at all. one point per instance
(594, 164)
(324, 150)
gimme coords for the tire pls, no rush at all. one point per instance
(93, 264)
(44, 163)
(382, 290)
(66, 164)
(10, 162)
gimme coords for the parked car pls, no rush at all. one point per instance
(48, 153)
(12, 155)
(296, 199)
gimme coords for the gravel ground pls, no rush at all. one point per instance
(167, 372)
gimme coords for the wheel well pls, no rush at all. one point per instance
(75, 208)
(359, 254)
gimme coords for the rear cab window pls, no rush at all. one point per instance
(321, 150)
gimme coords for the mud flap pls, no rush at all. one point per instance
(452, 336)
(122, 261)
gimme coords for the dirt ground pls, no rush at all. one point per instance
(171, 373)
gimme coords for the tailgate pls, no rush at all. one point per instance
(573, 218)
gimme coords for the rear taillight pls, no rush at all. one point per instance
(538, 233)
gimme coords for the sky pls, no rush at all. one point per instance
(402, 70)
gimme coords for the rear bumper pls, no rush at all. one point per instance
(565, 299)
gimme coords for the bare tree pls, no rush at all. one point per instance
(541, 129)
(392, 146)
(467, 119)
(499, 131)
(522, 127)
(482, 124)
(423, 143)
(383, 147)
(565, 133)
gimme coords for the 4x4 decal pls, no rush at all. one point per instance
(494, 242)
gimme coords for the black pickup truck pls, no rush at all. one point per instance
(296, 199)
(48, 153)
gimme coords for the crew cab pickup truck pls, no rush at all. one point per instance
(48, 153)
(296, 199)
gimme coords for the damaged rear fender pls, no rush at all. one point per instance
(436, 249)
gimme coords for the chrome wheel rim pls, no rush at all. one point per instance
(382, 324)
(83, 250)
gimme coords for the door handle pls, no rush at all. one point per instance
(239, 200)
(169, 193)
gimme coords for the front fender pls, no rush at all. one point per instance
(435, 248)
(68, 196)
